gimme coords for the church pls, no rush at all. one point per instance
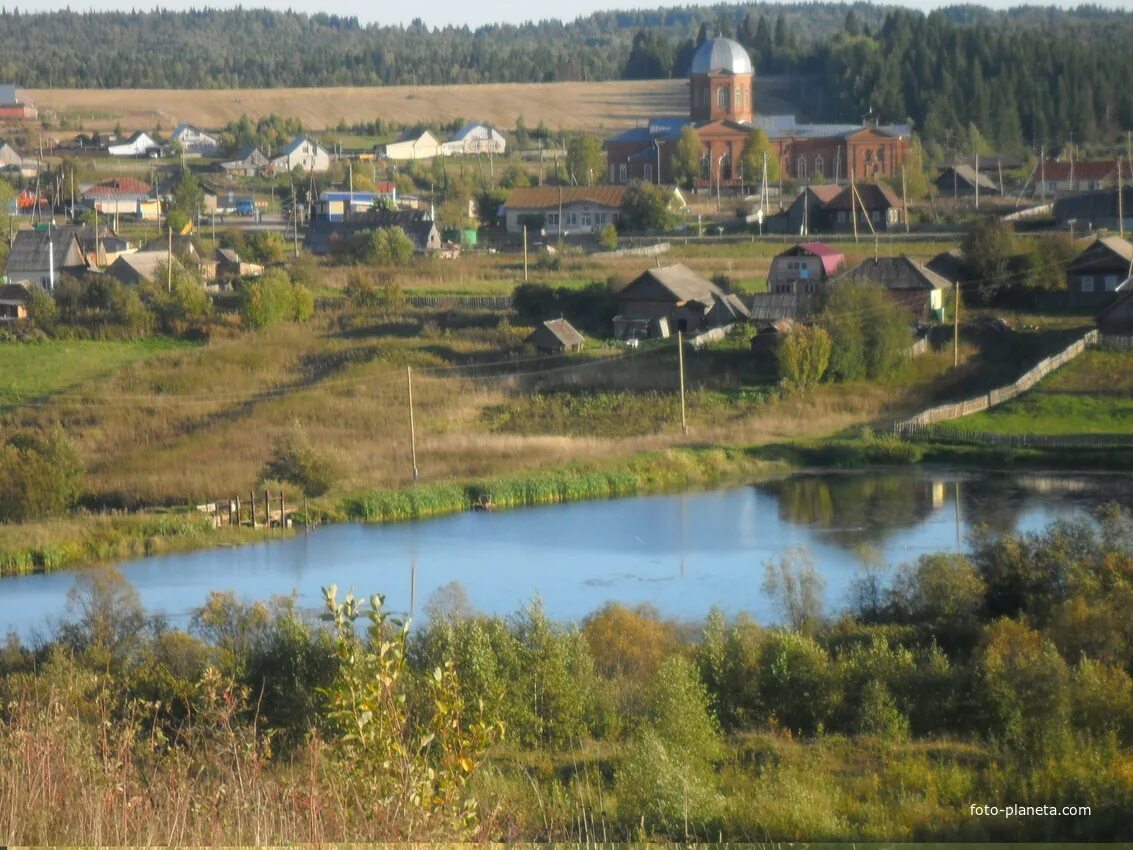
(722, 111)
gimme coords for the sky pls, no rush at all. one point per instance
(459, 12)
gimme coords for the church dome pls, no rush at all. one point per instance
(721, 54)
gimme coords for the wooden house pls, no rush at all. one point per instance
(1099, 272)
(247, 162)
(663, 301)
(906, 281)
(14, 298)
(804, 268)
(39, 257)
(555, 336)
(562, 210)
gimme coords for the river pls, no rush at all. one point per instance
(682, 553)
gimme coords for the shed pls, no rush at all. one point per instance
(681, 298)
(962, 180)
(14, 299)
(555, 336)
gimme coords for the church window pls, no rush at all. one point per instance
(801, 174)
(722, 97)
(818, 165)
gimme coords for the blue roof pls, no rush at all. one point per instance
(346, 196)
(637, 134)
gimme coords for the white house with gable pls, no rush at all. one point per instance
(303, 152)
(139, 144)
(195, 141)
(475, 138)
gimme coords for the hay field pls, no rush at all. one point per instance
(566, 106)
(600, 106)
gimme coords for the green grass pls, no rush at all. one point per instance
(35, 369)
(1091, 395)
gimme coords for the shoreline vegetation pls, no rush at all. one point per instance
(88, 540)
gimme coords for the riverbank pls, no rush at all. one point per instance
(88, 540)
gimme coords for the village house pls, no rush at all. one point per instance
(247, 162)
(139, 144)
(122, 196)
(39, 257)
(303, 152)
(340, 205)
(411, 146)
(1099, 272)
(805, 215)
(473, 139)
(327, 237)
(101, 250)
(804, 268)
(959, 180)
(1082, 176)
(906, 281)
(562, 210)
(1096, 210)
(10, 160)
(14, 298)
(660, 302)
(555, 336)
(12, 106)
(1117, 318)
(194, 141)
(230, 266)
(140, 267)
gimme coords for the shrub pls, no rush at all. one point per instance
(608, 238)
(273, 298)
(796, 683)
(298, 462)
(803, 356)
(39, 476)
(870, 333)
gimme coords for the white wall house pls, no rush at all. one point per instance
(423, 146)
(194, 141)
(475, 138)
(139, 144)
(303, 153)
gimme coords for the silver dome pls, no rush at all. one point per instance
(721, 54)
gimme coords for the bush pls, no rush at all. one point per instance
(870, 333)
(297, 462)
(608, 238)
(40, 476)
(273, 298)
(803, 356)
(796, 683)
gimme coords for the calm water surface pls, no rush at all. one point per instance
(682, 553)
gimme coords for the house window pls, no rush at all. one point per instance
(613, 172)
(891, 216)
(586, 220)
(553, 219)
(818, 165)
(1110, 282)
(571, 219)
(722, 98)
(876, 216)
(1086, 283)
(869, 156)
(599, 219)
(622, 168)
(841, 216)
(801, 174)
(648, 173)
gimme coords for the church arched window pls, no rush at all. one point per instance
(801, 168)
(722, 97)
(818, 164)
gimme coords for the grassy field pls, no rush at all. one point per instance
(34, 370)
(566, 106)
(1093, 394)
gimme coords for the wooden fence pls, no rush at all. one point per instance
(980, 403)
(641, 251)
(1115, 342)
(458, 302)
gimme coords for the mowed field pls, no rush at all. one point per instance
(562, 106)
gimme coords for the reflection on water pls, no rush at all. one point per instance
(855, 508)
(681, 553)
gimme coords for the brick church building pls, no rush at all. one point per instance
(722, 111)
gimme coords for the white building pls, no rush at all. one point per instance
(475, 138)
(194, 141)
(411, 146)
(303, 153)
(139, 144)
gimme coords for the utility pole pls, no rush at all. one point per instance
(169, 259)
(1120, 202)
(904, 198)
(854, 206)
(1042, 173)
(412, 430)
(681, 365)
(525, 253)
(956, 324)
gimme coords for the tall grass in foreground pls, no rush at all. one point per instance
(641, 474)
